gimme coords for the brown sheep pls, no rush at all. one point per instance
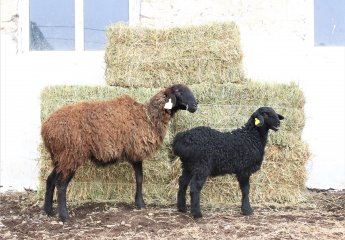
(107, 132)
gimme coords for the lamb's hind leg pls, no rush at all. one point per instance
(61, 185)
(50, 187)
(195, 188)
(138, 169)
(245, 186)
(184, 181)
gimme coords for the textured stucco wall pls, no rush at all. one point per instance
(9, 24)
(277, 41)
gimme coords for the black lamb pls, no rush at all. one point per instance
(207, 152)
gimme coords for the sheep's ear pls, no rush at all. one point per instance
(259, 121)
(280, 117)
(170, 101)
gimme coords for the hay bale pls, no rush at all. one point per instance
(144, 57)
(223, 107)
(252, 93)
(54, 97)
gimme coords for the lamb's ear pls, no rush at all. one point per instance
(280, 117)
(170, 101)
(259, 120)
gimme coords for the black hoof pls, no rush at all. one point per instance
(247, 211)
(140, 205)
(48, 211)
(197, 215)
(50, 214)
(63, 218)
(182, 209)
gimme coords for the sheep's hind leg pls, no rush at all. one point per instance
(138, 169)
(61, 185)
(184, 181)
(195, 187)
(245, 186)
(50, 187)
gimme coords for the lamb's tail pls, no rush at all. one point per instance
(172, 156)
(175, 145)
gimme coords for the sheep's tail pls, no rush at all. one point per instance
(172, 156)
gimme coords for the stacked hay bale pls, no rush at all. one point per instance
(209, 60)
(144, 57)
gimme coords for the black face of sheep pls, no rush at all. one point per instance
(267, 118)
(181, 98)
(207, 152)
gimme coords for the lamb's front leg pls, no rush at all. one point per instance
(245, 186)
(138, 169)
(195, 188)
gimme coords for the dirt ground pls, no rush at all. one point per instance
(322, 217)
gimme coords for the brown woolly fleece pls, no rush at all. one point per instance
(105, 131)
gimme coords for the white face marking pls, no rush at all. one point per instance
(168, 105)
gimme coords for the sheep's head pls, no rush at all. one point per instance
(267, 117)
(180, 97)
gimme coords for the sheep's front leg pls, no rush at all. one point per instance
(245, 186)
(138, 169)
(195, 188)
(48, 200)
(61, 185)
(184, 181)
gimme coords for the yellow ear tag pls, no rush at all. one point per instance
(168, 105)
(257, 121)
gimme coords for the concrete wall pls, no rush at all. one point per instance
(23, 76)
(277, 40)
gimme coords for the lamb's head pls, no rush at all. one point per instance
(180, 97)
(266, 117)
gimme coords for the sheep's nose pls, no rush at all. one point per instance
(192, 107)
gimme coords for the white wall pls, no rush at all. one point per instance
(277, 40)
(23, 76)
(323, 84)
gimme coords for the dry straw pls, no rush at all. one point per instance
(223, 107)
(208, 58)
(144, 57)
